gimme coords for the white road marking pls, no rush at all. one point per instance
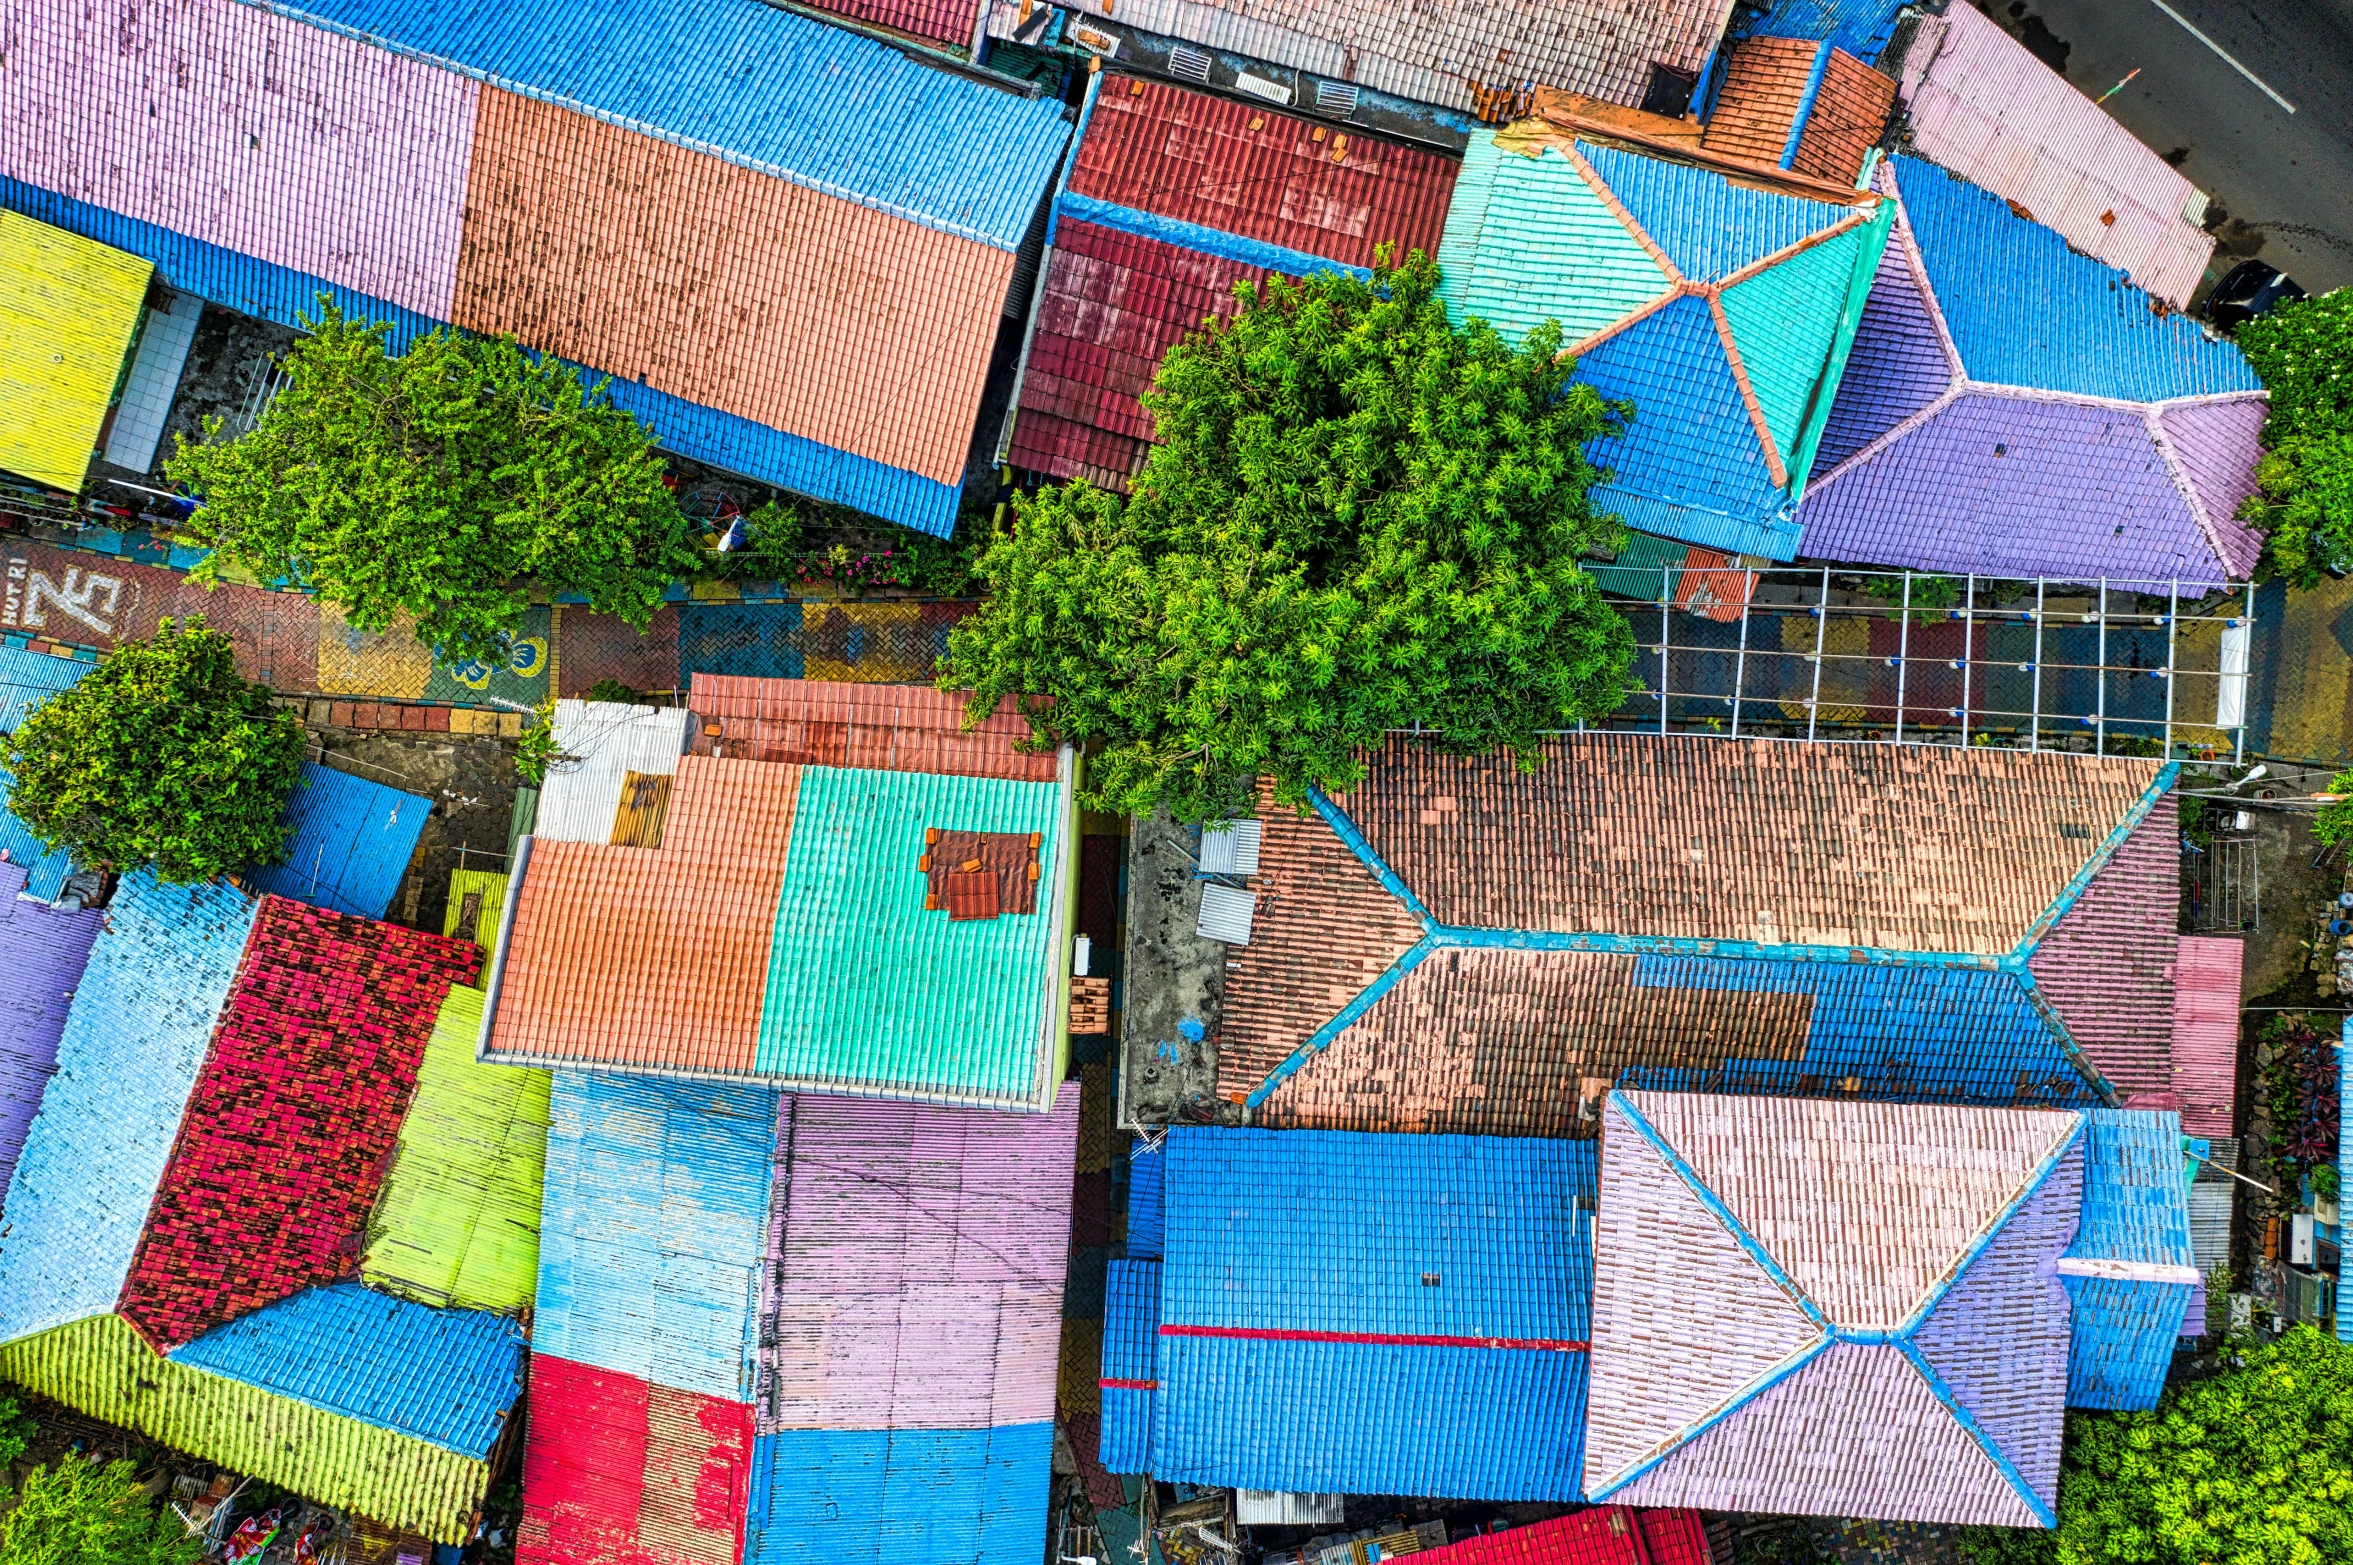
(2192, 29)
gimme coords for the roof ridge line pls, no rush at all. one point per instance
(2153, 418)
(2036, 1178)
(1916, 262)
(1976, 1431)
(1587, 343)
(1625, 217)
(1789, 252)
(1775, 468)
(1682, 1438)
(1120, 217)
(1354, 840)
(2058, 1025)
(2073, 891)
(1909, 424)
(1472, 936)
(1322, 1038)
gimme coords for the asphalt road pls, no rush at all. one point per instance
(2284, 181)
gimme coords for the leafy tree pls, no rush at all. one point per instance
(161, 756)
(2252, 1467)
(2304, 352)
(2333, 823)
(81, 1513)
(438, 485)
(1357, 518)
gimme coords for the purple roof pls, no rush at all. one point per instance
(43, 951)
(916, 1260)
(1899, 363)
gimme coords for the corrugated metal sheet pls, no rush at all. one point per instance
(2135, 1208)
(1600, 1535)
(1259, 173)
(869, 992)
(292, 1119)
(599, 743)
(2206, 981)
(1225, 914)
(239, 126)
(1147, 1209)
(351, 843)
(799, 311)
(974, 1496)
(605, 938)
(1298, 1235)
(868, 123)
(43, 950)
(1983, 106)
(617, 1472)
(458, 1220)
(1862, 28)
(1443, 55)
(133, 1044)
(2210, 1223)
(447, 1377)
(657, 1200)
(68, 311)
(26, 680)
(1131, 1364)
(100, 1367)
(917, 1259)
(488, 894)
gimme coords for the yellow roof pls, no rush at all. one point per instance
(68, 310)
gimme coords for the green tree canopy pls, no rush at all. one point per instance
(81, 1513)
(2251, 1467)
(438, 486)
(2304, 504)
(1358, 517)
(161, 756)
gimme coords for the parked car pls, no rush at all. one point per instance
(2249, 289)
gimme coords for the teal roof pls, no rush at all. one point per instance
(870, 991)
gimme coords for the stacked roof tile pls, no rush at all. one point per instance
(2129, 1274)
(1373, 1314)
(1796, 104)
(911, 1321)
(1458, 57)
(1722, 310)
(443, 171)
(1597, 1535)
(43, 950)
(1174, 197)
(787, 900)
(293, 1118)
(1982, 105)
(2108, 965)
(1460, 946)
(69, 310)
(2098, 437)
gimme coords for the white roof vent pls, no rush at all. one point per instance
(1231, 847)
(1225, 914)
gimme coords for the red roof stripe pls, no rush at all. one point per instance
(1384, 1338)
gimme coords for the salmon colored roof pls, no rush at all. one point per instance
(1765, 86)
(709, 281)
(888, 728)
(653, 957)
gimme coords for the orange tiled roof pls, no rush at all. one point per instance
(1764, 86)
(891, 728)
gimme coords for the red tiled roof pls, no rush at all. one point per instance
(1827, 844)
(607, 940)
(620, 1472)
(1259, 173)
(1850, 110)
(1765, 83)
(2107, 966)
(891, 728)
(1600, 1535)
(292, 1119)
(2207, 976)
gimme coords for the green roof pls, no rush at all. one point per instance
(868, 989)
(100, 1367)
(457, 1222)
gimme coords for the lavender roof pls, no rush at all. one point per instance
(43, 951)
(2089, 437)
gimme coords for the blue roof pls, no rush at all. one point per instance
(2135, 1208)
(1861, 27)
(1709, 226)
(26, 679)
(1146, 1209)
(351, 844)
(816, 104)
(951, 1496)
(2089, 331)
(1319, 1300)
(1131, 1341)
(138, 1033)
(449, 1377)
(652, 1228)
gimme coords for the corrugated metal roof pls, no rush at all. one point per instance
(1147, 1206)
(1414, 1296)
(100, 1367)
(292, 1119)
(133, 1044)
(2206, 985)
(2135, 1208)
(598, 743)
(68, 311)
(619, 1472)
(1597, 1535)
(1131, 1364)
(916, 1261)
(868, 123)
(458, 1220)
(27, 679)
(1985, 107)
(447, 1377)
(1863, 28)
(974, 1496)
(1443, 55)
(649, 1255)
(351, 843)
(1225, 914)
(43, 950)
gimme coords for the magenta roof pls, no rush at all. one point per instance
(2206, 975)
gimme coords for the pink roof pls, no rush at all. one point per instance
(1987, 109)
(2106, 967)
(2206, 1031)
